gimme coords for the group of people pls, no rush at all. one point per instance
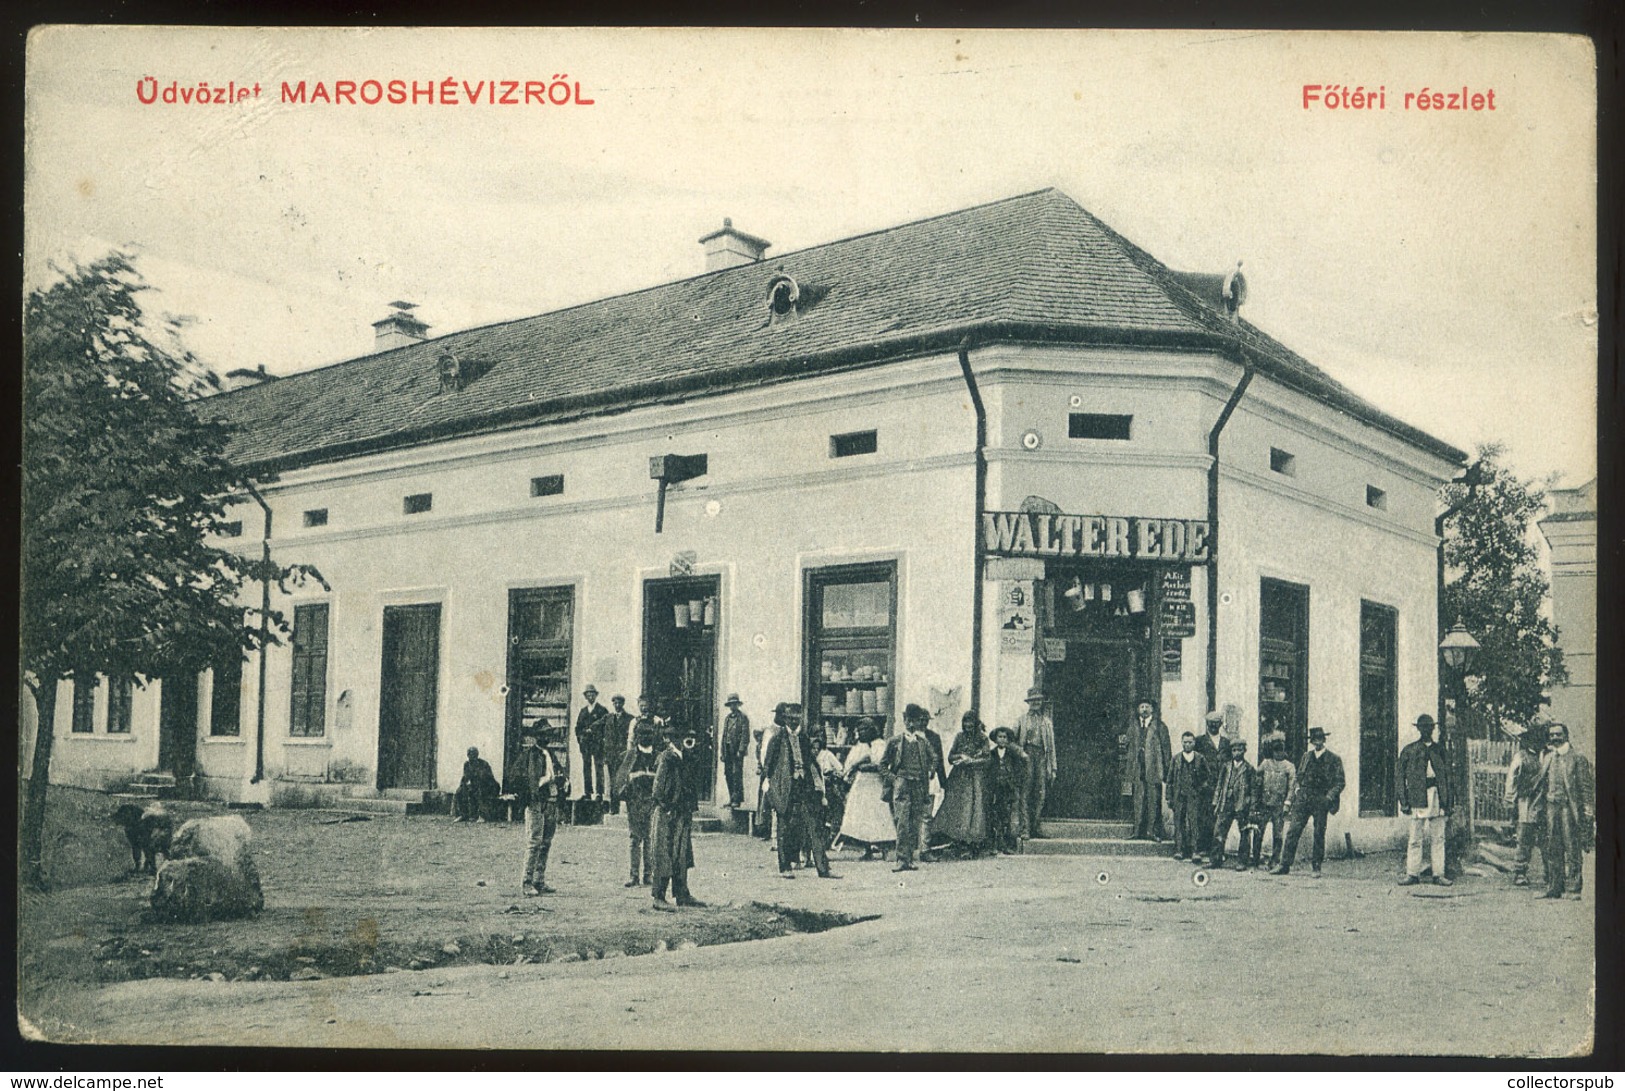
(1554, 790)
(1213, 789)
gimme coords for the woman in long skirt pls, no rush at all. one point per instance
(868, 820)
(963, 817)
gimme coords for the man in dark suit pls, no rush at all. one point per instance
(1213, 747)
(1235, 788)
(1190, 792)
(675, 799)
(1568, 800)
(796, 793)
(1149, 751)
(591, 723)
(1316, 794)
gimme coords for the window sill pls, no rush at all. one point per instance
(307, 740)
(86, 736)
(222, 740)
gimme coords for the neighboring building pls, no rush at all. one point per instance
(1571, 534)
(806, 427)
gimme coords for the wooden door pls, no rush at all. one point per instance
(410, 685)
(177, 725)
(1091, 694)
(680, 661)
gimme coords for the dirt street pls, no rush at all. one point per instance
(1014, 953)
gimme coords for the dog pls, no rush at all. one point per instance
(150, 832)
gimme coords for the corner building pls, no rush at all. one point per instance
(939, 463)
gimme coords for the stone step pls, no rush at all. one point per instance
(1086, 828)
(1096, 846)
(156, 780)
(363, 805)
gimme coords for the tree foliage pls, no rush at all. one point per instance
(124, 486)
(1496, 587)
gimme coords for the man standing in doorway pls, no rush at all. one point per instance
(1149, 751)
(1316, 793)
(735, 743)
(1424, 794)
(590, 727)
(540, 789)
(1568, 799)
(1035, 736)
(907, 765)
(795, 792)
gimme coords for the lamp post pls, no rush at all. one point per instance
(1458, 649)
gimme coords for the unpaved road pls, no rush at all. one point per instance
(1027, 953)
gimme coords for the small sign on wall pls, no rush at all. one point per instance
(1017, 620)
(1054, 650)
(1173, 658)
(682, 564)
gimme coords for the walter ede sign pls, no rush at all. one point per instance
(1131, 537)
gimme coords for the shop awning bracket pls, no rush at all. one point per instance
(673, 470)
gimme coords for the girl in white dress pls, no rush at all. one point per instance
(868, 820)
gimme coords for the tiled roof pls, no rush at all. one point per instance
(1034, 267)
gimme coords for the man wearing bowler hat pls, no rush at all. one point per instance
(1424, 795)
(796, 792)
(1316, 793)
(591, 723)
(735, 743)
(1035, 735)
(676, 798)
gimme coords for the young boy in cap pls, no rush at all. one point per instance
(1275, 777)
(1190, 794)
(1006, 778)
(735, 744)
(634, 782)
(540, 789)
(1233, 794)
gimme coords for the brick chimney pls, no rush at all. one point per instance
(400, 328)
(729, 247)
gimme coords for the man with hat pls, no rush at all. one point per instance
(540, 788)
(1568, 803)
(736, 742)
(1035, 735)
(796, 793)
(617, 731)
(908, 764)
(1006, 781)
(676, 797)
(634, 782)
(1316, 793)
(1148, 755)
(1235, 789)
(1424, 794)
(1523, 793)
(1215, 750)
(590, 728)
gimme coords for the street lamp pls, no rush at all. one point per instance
(1458, 647)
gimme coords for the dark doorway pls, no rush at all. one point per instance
(680, 659)
(1379, 710)
(1091, 693)
(1283, 663)
(177, 725)
(409, 689)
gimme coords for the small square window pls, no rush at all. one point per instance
(316, 517)
(1283, 462)
(551, 485)
(1099, 425)
(418, 503)
(233, 529)
(854, 443)
(1376, 498)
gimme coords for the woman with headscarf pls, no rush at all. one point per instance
(963, 816)
(867, 821)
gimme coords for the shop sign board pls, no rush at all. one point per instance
(1178, 613)
(1131, 537)
(1017, 622)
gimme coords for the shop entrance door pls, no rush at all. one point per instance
(680, 660)
(177, 725)
(408, 696)
(1091, 695)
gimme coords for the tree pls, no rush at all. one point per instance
(124, 484)
(1495, 586)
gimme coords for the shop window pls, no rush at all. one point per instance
(853, 443)
(418, 503)
(233, 529)
(84, 705)
(309, 716)
(1379, 709)
(550, 485)
(225, 706)
(1099, 425)
(120, 696)
(1283, 666)
(1283, 462)
(540, 650)
(1376, 498)
(851, 642)
(316, 517)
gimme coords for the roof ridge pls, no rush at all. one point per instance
(663, 284)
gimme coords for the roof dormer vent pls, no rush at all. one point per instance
(783, 297)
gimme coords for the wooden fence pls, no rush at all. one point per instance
(1488, 761)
